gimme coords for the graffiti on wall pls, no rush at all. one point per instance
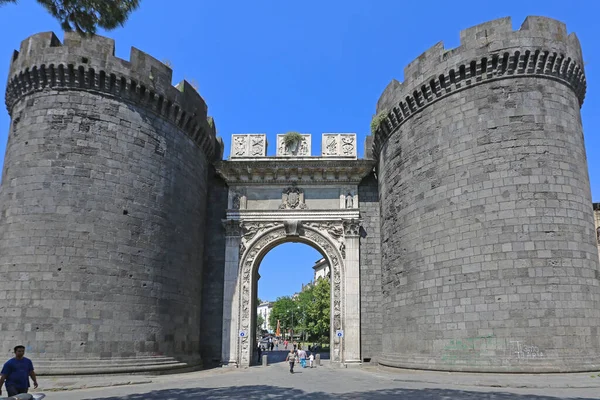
(488, 349)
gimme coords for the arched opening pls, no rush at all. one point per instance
(292, 284)
(248, 242)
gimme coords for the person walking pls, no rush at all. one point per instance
(291, 358)
(302, 355)
(16, 373)
(311, 358)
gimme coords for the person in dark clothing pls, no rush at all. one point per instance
(16, 373)
(259, 354)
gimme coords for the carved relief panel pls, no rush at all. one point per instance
(237, 199)
(292, 198)
(338, 145)
(301, 149)
(248, 145)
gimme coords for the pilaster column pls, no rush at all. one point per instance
(351, 325)
(229, 348)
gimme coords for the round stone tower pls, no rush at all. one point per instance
(489, 260)
(102, 208)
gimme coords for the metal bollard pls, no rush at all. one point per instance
(265, 360)
(318, 360)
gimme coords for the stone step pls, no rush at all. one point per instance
(110, 366)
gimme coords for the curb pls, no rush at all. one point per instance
(91, 386)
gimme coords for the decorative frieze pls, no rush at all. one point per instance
(338, 145)
(250, 145)
(317, 170)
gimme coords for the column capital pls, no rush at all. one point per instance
(351, 227)
(232, 227)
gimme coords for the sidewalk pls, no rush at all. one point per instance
(533, 381)
(499, 380)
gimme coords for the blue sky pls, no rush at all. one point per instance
(310, 66)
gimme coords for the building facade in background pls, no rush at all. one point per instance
(264, 309)
(321, 269)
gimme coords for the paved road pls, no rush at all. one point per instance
(275, 382)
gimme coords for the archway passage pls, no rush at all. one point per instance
(247, 245)
(294, 302)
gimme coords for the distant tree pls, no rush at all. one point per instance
(282, 311)
(84, 16)
(260, 320)
(314, 303)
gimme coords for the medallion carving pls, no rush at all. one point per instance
(292, 198)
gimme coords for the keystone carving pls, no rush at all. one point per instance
(292, 198)
(292, 227)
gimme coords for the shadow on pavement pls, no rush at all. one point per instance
(260, 392)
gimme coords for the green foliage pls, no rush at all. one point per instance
(282, 311)
(377, 120)
(316, 303)
(84, 16)
(311, 310)
(291, 138)
(259, 321)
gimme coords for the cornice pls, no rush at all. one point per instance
(288, 171)
(301, 215)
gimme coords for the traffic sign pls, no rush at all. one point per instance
(243, 334)
(339, 333)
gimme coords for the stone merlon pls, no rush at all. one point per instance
(89, 63)
(492, 50)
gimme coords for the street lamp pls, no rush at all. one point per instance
(292, 311)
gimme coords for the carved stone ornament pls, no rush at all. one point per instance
(351, 227)
(240, 143)
(235, 202)
(264, 240)
(348, 145)
(232, 227)
(292, 198)
(292, 227)
(257, 145)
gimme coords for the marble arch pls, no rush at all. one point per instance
(336, 240)
(272, 200)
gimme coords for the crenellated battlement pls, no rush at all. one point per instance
(492, 50)
(89, 63)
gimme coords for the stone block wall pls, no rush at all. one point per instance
(596, 207)
(489, 260)
(102, 210)
(213, 275)
(370, 271)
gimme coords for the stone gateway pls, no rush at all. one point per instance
(464, 240)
